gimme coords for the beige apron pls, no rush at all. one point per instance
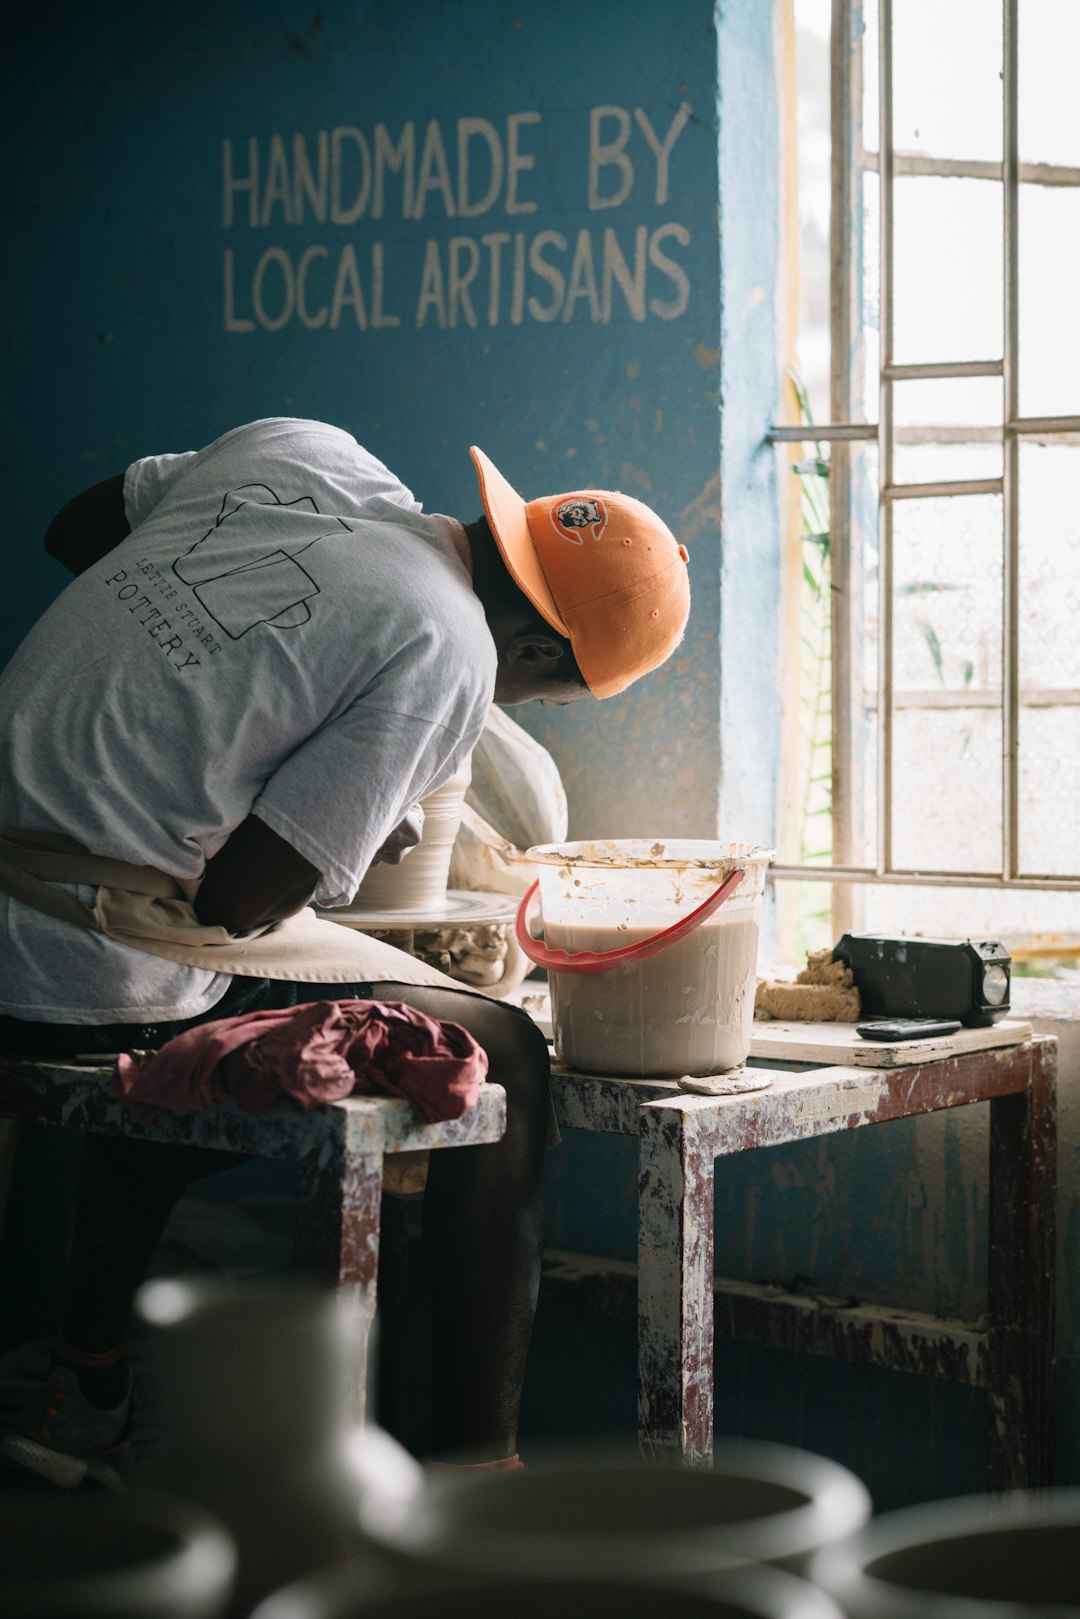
(144, 908)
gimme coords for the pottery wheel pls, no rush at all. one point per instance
(458, 907)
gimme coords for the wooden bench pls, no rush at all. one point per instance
(340, 1148)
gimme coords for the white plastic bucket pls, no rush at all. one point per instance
(651, 951)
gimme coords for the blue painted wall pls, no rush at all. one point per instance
(436, 223)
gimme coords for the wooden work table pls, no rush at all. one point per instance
(825, 1078)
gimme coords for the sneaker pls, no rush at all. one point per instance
(59, 1436)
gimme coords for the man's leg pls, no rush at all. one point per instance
(126, 1191)
(482, 1215)
(66, 1423)
(483, 1232)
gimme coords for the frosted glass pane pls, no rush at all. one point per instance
(1017, 917)
(870, 106)
(938, 463)
(1049, 591)
(947, 262)
(947, 789)
(871, 297)
(870, 786)
(947, 584)
(947, 78)
(814, 518)
(1049, 49)
(1049, 306)
(1049, 654)
(1050, 791)
(949, 402)
(812, 110)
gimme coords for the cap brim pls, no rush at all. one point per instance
(506, 515)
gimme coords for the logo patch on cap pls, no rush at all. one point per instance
(578, 516)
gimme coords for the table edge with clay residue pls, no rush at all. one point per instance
(680, 1301)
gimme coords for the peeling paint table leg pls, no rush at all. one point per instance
(338, 1229)
(340, 1147)
(675, 1288)
(680, 1138)
(1023, 1183)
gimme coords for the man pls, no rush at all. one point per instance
(270, 654)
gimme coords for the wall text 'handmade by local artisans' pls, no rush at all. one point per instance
(370, 268)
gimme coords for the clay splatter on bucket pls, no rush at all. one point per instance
(689, 1008)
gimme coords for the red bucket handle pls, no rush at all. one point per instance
(600, 961)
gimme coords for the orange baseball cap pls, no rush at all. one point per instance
(601, 568)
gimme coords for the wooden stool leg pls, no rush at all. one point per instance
(338, 1233)
(393, 1345)
(675, 1288)
(1023, 1183)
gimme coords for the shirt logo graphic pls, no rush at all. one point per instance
(579, 515)
(243, 571)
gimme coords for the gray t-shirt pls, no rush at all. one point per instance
(285, 632)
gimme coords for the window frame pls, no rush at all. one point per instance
(850, 162)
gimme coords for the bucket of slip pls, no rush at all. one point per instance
(651, 951)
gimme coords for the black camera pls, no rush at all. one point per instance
(942, 978)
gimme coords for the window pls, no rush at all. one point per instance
(932, 444)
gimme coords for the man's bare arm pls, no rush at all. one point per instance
(88, 527)
(255, 878)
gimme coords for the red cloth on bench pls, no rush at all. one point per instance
(318, 1052)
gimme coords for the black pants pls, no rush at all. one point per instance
(482, 1217)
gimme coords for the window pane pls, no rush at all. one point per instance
(945, 463)
(846, 473)
(946, 410)
(812, 35)
(1049, 597)
(863, 590)
(948, 402)
(1049, 307)
(947, 78)
(947, 729)
(947, 243)
(947, 582)
(1022, 919)
(1050, 790)
(870, 253)
(1049, 566)
(947, 789)
(870, 105)
(1049, 48)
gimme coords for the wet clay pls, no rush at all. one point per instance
(687, 1010)
(419, 882)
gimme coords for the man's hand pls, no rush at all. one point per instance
(255, 878)
(405, 836)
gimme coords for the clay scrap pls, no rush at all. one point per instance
(823, 992)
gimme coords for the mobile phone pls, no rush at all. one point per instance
(908, 1028)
